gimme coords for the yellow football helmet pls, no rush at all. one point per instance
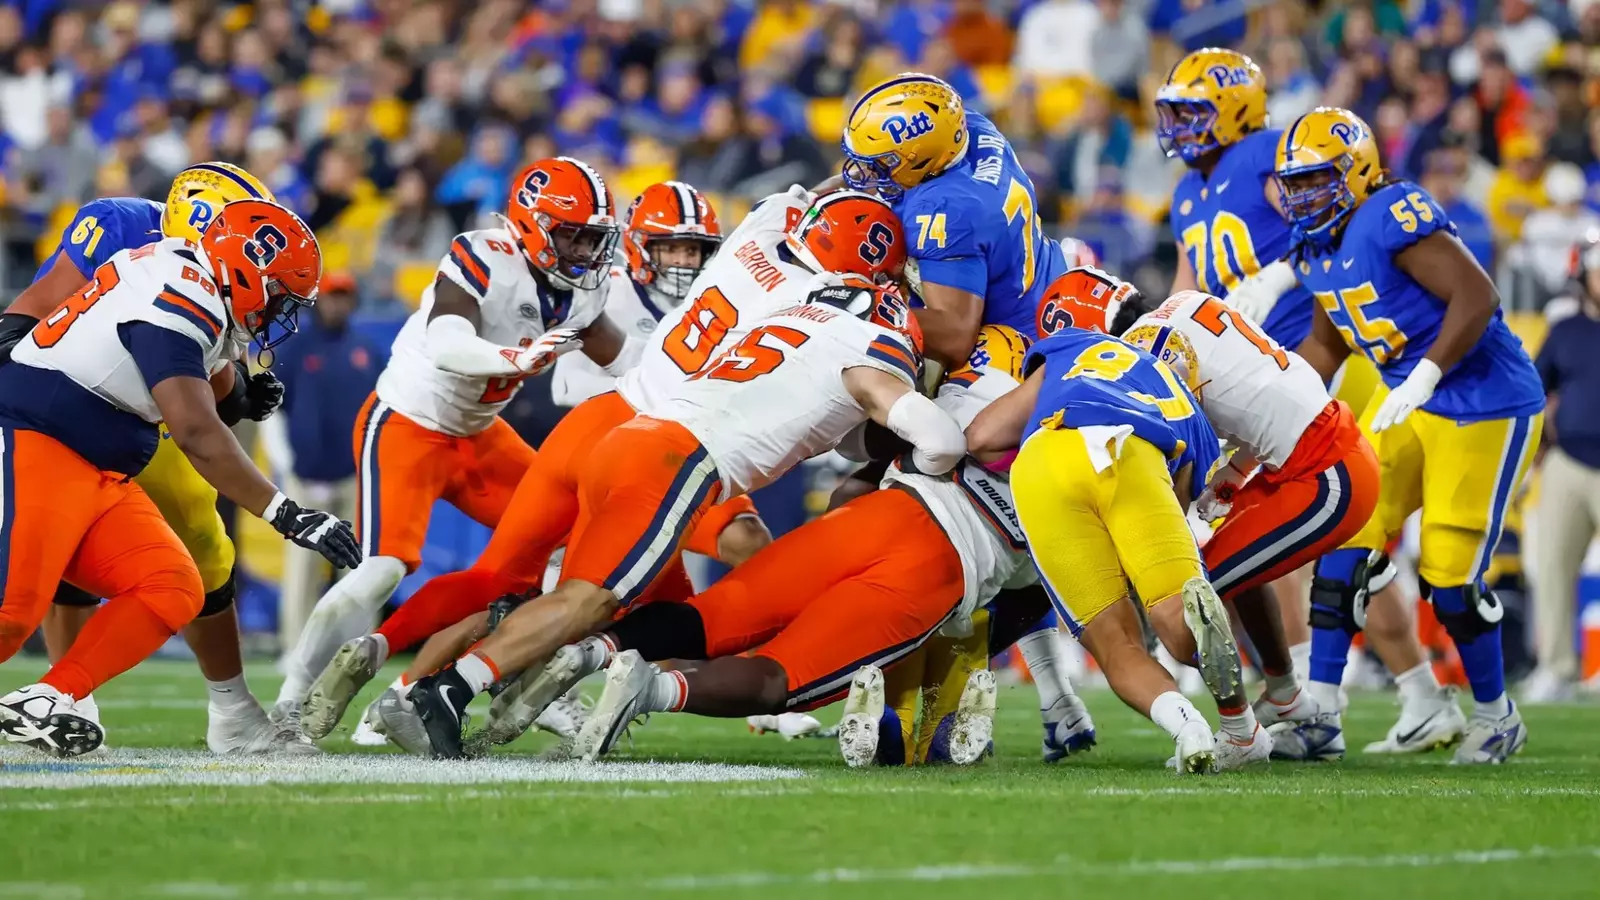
(999, 347)
(1212, 98)
(1327, 166)
(1172, 348)
(199, 193)
(903, 132)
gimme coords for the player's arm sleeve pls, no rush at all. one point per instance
(93, 235)
(894, 355)
(161, 352)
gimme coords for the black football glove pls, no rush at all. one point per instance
(263, 395)
(316, 530)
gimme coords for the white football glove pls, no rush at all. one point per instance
(1216, 500)
(1257, 295)
(1416, 390)
(539, 356)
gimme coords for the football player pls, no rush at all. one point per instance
(99, 229)
(506, 303)
(1110, 444)
(794, 387)
(1460, 401)
(84, 398)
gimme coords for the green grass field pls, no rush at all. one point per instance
(786, 819)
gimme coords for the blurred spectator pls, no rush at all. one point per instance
(61, 170)
(267, 158)
(1121, 241)
(829, 68)
(1569, 142)
(159, 141)
(1443, 176)
(1056, 38)
(1120, 49)
(715, 159)
(1295, 90)
(27, 91)
(1503, 103)
(977, 36)
(1192, 24)
(478, 185)
(416, 232)
(912, 23)
(1518, 188)
(328, 371)
(1094, 151)
(778, 25)
(1526, 36)
(1548, 233)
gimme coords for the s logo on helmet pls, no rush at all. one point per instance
(875, 249)
(1344, 131)
(265, 246)
(891, 312)
(900, 129)
(1053, 318)
(1229, 76)
(200, 215)
(532, 187)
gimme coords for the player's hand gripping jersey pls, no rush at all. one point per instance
(78, 381)
(515, 310)
(630, 308)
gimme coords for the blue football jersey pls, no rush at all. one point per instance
(1229, 231)
(1093, 379)
(1392, 320)
(976, 228)
(100, 228)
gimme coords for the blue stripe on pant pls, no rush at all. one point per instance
(659, 543)
(1505, 484)
(8, 503)
(368, 475)
(1329, 508)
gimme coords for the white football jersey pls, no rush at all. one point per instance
(514, 310)
(168, 283)
(972, 504)
(778, 396)
(752, 275)
(636, 312)
(1257, 395)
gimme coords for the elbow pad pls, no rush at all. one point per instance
(236, 405)
(632, 351)
(12, 328)
(453, 345)
(938, 442)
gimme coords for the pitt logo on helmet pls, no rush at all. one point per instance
(1211, 99)
(199, 192)
(1229, 76)
(900, 130)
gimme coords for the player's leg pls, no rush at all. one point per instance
(530, 525)
(1473, 471)
(402, 468)
(69, 612)
(1291, 593)
(957, 700)
(1565, 526)
(645, 487)
(1058, 492)
(1024, 617)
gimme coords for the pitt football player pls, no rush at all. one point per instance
(1456, 420)
(97, 231)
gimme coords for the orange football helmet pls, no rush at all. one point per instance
(268, 265)
(669, 212)
(1088, 298)
(563, 217)
(874, 301)
(850, 232)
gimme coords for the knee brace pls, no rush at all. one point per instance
(67, 595)
(218, 600)
(1342, 603)
(504, 605)
(1381, 572)
(1467, 612)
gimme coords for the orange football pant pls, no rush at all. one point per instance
(866, 583)
(60, 517)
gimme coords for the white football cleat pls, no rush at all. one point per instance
(1236, 756)
(1068, 728)
(858, 730)
(787, 725)
(1543, 686)
(89, 709)
(519, 706)
(244, 729)
(973, 732)
(1424, 725)
(1302, 708)
(352, 667)
(47, 720)
(1196, 749)
(402, 725)
(564, 717)
(1320, 737)
(1491, 741)
(627, 682)
(1208, 621)
(369, 731)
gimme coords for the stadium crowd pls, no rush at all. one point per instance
(390, 125)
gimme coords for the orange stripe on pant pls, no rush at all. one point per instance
(1320, 498)
(402, 469)
(866, 583)
(60, 517)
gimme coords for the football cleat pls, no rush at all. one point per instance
(369, 730)
(441, 701)
(1491, 741)
(245, 729)
(1231, 755)
(45, 719)
(564, 717)
(1300, 709)
(1068, 729)
(971, 735)
(89, 709)
(1543, 686)
(401, 723)
(519, 706)
(863, 707)
(1196, 749)
(1317, 738)
(627, 685)
(788, 725)
(1424, 725)
(351, 668)
(1208, 620)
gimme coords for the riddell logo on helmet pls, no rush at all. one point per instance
(900, 129)
(1229, 76)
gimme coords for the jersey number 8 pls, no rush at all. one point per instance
(704, 324)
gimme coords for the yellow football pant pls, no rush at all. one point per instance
(189, 504)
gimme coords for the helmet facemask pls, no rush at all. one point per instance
(872, 174)
(676, 260)
(1316, 199)
(583, 253)
(1186, 128)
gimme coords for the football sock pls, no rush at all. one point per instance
(345, 612)
(667, 692)
(477, 671)
(1281, 689)
(597, 651)
(1326, 695)
(1417, 683)
(1171, 711)
(1039, 652)
(1300, 656)
(1238, 723)
(402, 685)
(124, 633)
(229, 693)
(1496, 709)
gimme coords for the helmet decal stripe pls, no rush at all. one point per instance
(597, 186)
(230, 175)
(907, 78)
(688, 210)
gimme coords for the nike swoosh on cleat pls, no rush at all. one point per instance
(444, 694)
(1407, 737)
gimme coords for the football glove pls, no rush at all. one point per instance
(539, 356)
(316, 530)
(263, 394)
(1416, 390)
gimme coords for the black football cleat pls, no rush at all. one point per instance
(441, 701)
